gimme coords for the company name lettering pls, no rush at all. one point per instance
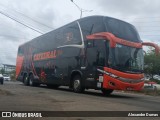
(45, 55)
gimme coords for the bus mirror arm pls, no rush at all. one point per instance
(157, 48)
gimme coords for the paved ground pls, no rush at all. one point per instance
(14, 96)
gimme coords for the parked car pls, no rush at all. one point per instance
(1, 79)
(157, 77)
(147, 77)
(151, 86)
(6, 77)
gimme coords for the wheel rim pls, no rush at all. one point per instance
(76, 84)
(25, 79)
(30, 81)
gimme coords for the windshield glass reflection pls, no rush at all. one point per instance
(125, 58)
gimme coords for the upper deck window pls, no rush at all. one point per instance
(20, 51)
(122, 30)
(92, 25)
(71, 35)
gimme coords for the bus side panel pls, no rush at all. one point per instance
(58, 70)
(54, 70)
(69, 60)
(47, 71)
(19, 64)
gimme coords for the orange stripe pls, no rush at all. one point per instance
(19, 63)
(124, 75)
(113, 39)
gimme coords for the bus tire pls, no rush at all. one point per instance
(77, 85)
(2, 82)
(107, 92)
(26, 81)
(31, 81)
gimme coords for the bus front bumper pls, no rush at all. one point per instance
(122, 84)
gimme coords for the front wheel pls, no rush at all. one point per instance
(107, 92)
(77, 84)
(31, 81)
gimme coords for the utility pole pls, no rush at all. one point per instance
(80, 9)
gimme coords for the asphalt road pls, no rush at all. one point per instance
(14, 96)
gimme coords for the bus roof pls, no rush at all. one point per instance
(100, 20)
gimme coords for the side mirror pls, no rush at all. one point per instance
(157, 48)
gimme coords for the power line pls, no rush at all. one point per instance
(144, 26)
(149, 35)
(20, 22)
(80, 9)
(145, 21)
(151, 31)
(35, 20)
(144, 17)
(10, 36)
(26, 16)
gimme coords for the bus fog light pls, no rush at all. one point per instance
(112, 84)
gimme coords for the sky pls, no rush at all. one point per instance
(47, 15)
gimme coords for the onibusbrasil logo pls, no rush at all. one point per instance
(21, 114)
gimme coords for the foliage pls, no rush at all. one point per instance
(152, 63)
(13, 74)
(2, 71)
(154, 80)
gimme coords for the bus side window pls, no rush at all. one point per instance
(72, 35)
(100, 58)
(20, 51)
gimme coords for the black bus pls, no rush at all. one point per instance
(95, 52)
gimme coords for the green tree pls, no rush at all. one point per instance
(2, 71)
(152, 63)
(13, 75)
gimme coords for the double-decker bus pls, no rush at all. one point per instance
(95, 52)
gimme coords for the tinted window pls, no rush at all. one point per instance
(92, 25)
(101, 52)
(20, 51)
(100, 58)
(71, 35)
(122, 30)
(91, 56)
(126, 58)
(58, 37)
(67, 35)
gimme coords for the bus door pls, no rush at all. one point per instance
(90, 64)
(97, 58)
(102, 54)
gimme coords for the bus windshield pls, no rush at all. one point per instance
(127, 59)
